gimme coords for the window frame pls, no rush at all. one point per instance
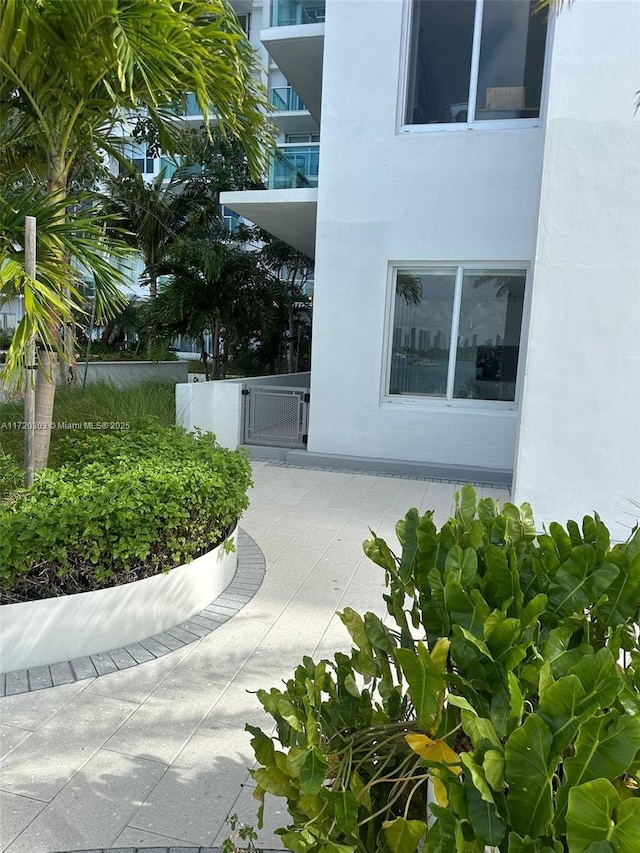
(426, 401)
(461, 127)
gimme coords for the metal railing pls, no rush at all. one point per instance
(287, 13)
(293, 166)
(286, 99)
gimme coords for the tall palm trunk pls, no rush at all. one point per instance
(45, 395)
(48, 362)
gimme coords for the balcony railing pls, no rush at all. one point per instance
(170, 167)
(287, 13)
(294, 166)
(192, 108)
(286, 99)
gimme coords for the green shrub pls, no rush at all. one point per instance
(125, 506)
(494, 713)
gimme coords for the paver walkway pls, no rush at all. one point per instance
(156, 755)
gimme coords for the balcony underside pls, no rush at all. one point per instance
(289, 215)
(298, 51)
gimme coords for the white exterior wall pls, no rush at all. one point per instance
(386, 196)
(579, 441)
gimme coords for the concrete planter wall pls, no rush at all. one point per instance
(123, 373)
(36, 633)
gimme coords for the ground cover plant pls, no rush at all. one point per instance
(78, 409)
(499, 709)
(124, 506)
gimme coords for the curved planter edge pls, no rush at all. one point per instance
(38, 633)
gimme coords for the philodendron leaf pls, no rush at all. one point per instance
(354, 623)
(529, 777)
(262, 745)
(579, 582)
(404, 836)
(493, 766)
(605, 748)
(313, 772)
(623, 596)
(597, 814)
(434, 753)
(487, 823)
(426, 685)
(345, 807)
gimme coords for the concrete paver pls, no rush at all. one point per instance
(155, 755)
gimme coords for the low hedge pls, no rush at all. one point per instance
(125, 506)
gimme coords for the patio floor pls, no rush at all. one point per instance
(156, 755)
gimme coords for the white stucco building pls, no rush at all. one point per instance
(476, 232)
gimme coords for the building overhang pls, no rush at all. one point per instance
(289, 215)
(298, 52)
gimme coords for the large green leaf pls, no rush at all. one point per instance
(562, 707)
(529, 777)
(488, 825)
(605, 748)
(354, 624)
(426, 685)
(262, 745)
(600, 677)
(345, 808)
(579, 581)
(623, 596)
(313, 772)
(597, 814)
(404, 836)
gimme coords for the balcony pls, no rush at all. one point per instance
(285, 99)
(294, 166)
(295, 41)
(171, 166)
(289, 13)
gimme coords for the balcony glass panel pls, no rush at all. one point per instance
(294, 166)
(286, 99)
(287, 13)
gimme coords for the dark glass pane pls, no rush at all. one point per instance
(422, 331)
(511, 60)
(489, 334)
(440, 61)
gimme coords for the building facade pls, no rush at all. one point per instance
(475, 228)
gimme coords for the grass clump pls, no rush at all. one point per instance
(78, 410)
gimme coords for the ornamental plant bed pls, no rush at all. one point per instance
(499, 710)
(123, 507)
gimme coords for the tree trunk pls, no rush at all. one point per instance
(216, 350)
(290, 339)
(69, 367)
(203, 356)
(48, 361)
(45, 396)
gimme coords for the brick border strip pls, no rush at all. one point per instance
(246, 582)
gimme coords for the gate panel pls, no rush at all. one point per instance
(276, 416)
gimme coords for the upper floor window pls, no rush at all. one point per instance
(475, 60)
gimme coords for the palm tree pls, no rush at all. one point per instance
(72, 70)
(153, 213)
(215, 288)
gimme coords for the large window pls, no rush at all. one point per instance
(456, 332)
(475, 60)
